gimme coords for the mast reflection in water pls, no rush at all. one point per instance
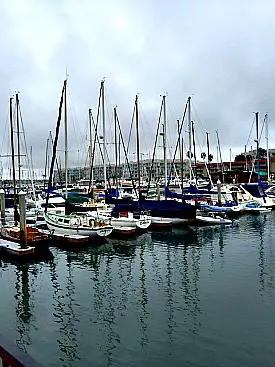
(191, 296)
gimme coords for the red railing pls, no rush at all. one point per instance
(11, 356)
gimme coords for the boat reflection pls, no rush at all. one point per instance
(26, 272)
(64, 313)
(24, 308)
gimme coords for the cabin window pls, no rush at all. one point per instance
(67, 221)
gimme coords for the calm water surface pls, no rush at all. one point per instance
(190, 297)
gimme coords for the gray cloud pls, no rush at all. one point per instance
(221, 52)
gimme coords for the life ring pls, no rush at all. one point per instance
(76, 222)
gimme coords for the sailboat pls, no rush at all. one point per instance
(77, 224)
(124, 221)
(73, 224)
(162, 211)
(12, 232)
(256, 190)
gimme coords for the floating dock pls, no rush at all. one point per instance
(15, 249)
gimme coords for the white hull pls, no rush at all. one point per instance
(162, 222)
(258, 210)
(157, 220)
(143, 222)
(101, 232)
(73, 239)
(212, 220)
(75, 226)
(123, 222)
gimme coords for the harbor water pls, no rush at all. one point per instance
(192, 296)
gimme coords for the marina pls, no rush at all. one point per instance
(137, 183)
(187, 296)
(124, 271)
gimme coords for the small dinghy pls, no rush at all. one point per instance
(124, 231)
(212, 218)
(256, 208)
(161, 222)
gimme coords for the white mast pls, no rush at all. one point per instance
(189, 138)
(104, 135)
(66, 139)
(90, 146)
(267, 151)
(164, 141)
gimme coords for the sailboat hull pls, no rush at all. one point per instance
(58, 225)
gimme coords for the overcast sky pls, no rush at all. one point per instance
(221, 52)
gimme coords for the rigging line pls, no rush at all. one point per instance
(56, 162)
(27, 153)
(198, 119)
(251, 130)
(263, 125)
(55, 144)
(99, 147)
(74, 120)
(130, 132)
(171, 132)
(5, 129)
(107, 109)
(155, 145)
(178, 142)
(171, 111)
(172, 163)
(204, 160)
(126, 156)
(86, 159)
(96, 135)
(143, 123)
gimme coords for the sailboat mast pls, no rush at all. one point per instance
(90, 146)
(46, 162)
(164, 141)
(257, 141)
(245, 157)
(18, 139)
(55, 144)
(219, 152)
(194, 148)
(104, 134)
(181, 157)
(137, 138)
(189, 138)
(12, 156)
(31, 164)
(116, 150)
(66, 138)
(208, 150)
(267, 148)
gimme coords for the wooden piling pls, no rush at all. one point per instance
(22, 210)
(2, 206)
